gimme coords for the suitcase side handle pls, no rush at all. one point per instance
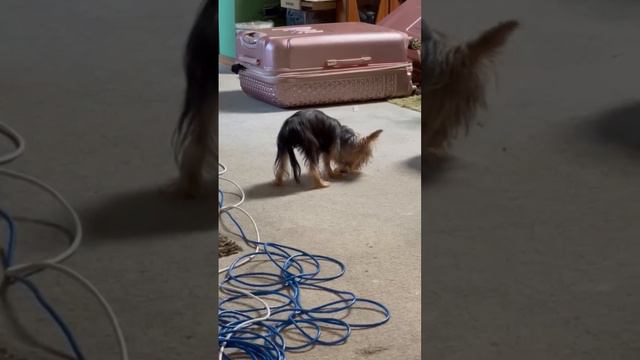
(249, 60)
(349, 62)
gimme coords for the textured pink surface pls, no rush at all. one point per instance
(329, 88)
(309, 47)
(295, 66)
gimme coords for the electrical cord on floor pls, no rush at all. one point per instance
(19, 273)
(292, 270)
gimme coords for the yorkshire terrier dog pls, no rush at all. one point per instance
(317, 136)
(195, 142)
(454, 82)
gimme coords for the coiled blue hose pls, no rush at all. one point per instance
(291, 271)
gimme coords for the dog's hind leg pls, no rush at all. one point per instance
(435, 140)
(198, 152)
(311, 150)
(281, 168)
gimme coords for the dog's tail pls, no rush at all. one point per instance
(294, 164)
(487, 45)
(285, 151)
(194, 138)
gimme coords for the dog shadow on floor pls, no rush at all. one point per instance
(414, 163)
(269, 190)
(238, 102)
(150, 211)
(434, 167)
(619, 126)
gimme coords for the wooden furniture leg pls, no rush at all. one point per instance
(393, 4)
(383, 10)
(347, 11)
(353, 15)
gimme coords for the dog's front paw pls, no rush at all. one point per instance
(335, 175)
(322, 184)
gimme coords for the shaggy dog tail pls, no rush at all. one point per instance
(295, 166)
(284, 152)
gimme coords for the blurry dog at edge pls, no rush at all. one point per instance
(454, 82)
(195, 140)
(321, 137)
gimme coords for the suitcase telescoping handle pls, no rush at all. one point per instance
(349, 62)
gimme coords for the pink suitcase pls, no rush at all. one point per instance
(408, 18)
(294, 66)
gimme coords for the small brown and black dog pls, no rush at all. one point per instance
(319, 136)
(454, 82)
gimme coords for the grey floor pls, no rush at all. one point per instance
(95, 88)
(531, 229)
(371, 223)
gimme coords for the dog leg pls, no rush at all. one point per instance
(191, 170)
(326, 158)
(281, 170)
(201, 147)
(315, 174)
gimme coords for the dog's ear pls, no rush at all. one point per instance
(373, 136)
(491, 41)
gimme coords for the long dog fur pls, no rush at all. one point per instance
(195, 140)
(454, 82)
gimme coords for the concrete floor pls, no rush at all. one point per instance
(372, 223)
(531, 230)
(95, 89)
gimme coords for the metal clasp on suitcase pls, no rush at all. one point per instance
(365, 60)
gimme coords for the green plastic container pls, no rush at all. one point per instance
(231, 12)
(227, 27)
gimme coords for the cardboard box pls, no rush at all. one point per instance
(309, 4)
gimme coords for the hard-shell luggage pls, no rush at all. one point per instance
(408, 18)
(294, 66)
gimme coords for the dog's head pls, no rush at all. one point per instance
(356, 151)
